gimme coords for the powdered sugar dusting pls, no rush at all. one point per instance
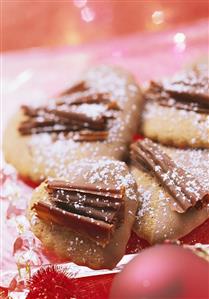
(172, 116)
(53, 149)
(103, 171)
(195, 162)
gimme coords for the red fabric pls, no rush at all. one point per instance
(41, 23)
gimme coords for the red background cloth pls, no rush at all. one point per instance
(70, 22)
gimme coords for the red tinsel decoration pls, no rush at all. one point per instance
(3, 293)
(55, 283)
(51, 282)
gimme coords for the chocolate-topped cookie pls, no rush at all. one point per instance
(87, 216)
(176, 111)
(95, 117)
(173, 186)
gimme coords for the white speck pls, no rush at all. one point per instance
(87, 14)
(158, 17)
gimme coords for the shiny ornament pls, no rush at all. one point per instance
(163, 271)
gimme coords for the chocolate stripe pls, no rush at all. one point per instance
(96, 230)
(90, 136)
(185, 189)
(79, 208)
(87, 188)
(189, 91)
(91, 201)
(62, 117)
(79, 87)
(192, 86)
(80, 119)
(29, 111)
(184, 106)
(81, 205)
(98, 98)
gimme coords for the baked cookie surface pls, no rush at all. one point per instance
(96, 117)
(176, 111)
(87, 216)
(173, 192)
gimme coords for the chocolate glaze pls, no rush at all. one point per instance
(189, 91)
(59, 116)
(88, 210)
(97, 230)
(185, 189)
(192, 86)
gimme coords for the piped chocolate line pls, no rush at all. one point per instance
(92, 211)
(185, 189)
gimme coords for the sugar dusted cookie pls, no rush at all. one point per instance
(87, 216)
(97, 116)
(176, 111)
(173, 186)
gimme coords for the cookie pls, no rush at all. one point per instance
(173, 186)
(95, 117)
(176, 111)
(87, 216)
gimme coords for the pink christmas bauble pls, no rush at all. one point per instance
(163, 272)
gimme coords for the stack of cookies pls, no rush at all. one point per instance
(97, 187)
